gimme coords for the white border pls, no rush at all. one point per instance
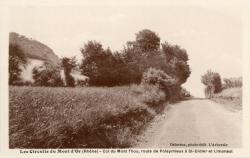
(4, 12)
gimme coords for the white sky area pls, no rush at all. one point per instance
(211, 34)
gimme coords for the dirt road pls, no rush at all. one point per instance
(193, 121)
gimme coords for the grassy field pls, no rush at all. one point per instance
(231, 97)
(41, 117)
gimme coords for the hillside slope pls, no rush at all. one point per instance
(34, 49)
(230, 97)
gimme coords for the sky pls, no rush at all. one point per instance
(211, 34)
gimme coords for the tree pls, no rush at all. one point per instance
(232, 82)
(103, 67)
(68, 64)
(176, 62)
(212, 80)
(147, 40)
(93, 56)
(16, 60)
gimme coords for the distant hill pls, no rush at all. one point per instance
(37, 53)
(34, 49)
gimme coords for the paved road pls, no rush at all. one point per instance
(193, 121)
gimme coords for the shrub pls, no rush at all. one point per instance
(184, 93)
(149, 94)
(47, 75)
(156, 87)
(82, 83)
(159, 79)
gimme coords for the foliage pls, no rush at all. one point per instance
(150, 94)
(147, 40)
(176, 59)
(232, 82)
(107, 68)
(68, 64)
(47, 75)
(48, 117)
(164, 82)
(101, 66)
(212, 81)
(157, 77)
(231, 97)
(171, 59)
(17, 59)
(185, 93)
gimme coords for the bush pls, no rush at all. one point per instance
(157, 77)
(185, 93)
(82, 83)
(160, 79)
(156, 87)
(149, 94)
(47, 75)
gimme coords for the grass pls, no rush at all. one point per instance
(231, 97)
(43, 117)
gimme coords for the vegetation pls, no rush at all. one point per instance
(75, 117)
(101, 66)
(16, 60)
(212, 81)
(159, 79)
(185, 93)
(47, 75)
(231, 97)
(231, 94)
(98, 117)
(147, 41)
(68, 64)
(228, 93)
(106, 68)
(232, 82)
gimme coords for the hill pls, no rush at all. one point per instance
(34, 49)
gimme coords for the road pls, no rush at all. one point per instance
(193, 121)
